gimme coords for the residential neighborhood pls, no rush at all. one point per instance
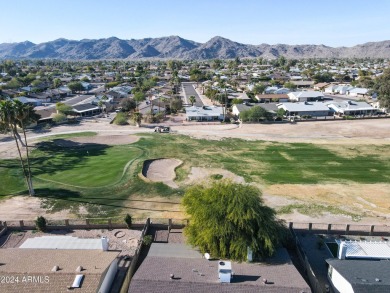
(195, 147)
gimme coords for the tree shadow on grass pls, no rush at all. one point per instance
(62, 154)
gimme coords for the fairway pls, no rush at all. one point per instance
(104, 178)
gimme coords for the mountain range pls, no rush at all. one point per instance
(175, 47)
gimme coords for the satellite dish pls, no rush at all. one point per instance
(207, 256)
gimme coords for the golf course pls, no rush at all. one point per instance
(105, 178)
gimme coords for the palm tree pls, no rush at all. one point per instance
(137, 116)
(14, 114)
(25, 115)
(222, 84)
(192, 100)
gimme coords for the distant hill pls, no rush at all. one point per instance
(175, 47)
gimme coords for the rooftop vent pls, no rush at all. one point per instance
(79, 269)
(77, 281)
(55, 269)
(225, 273)
(342, 250)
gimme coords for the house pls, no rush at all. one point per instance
(271, 108)
(84, 110)
(303, 83)
(176, 267)
(86, 85)
(204, 113)
(306, 96)
(306, 109)
(270, 89)
(272, 98)
(343, 89)
(359, 276)
(321, 86)
(243, 97)
(357, 92)
(361, 266)
(46, 115)
(330, 89)
(352, 108)
(281, 91)
(43, 97)
(31, 101)
(56, 262)
(55, 270)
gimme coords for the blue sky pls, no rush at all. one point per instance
(332, 22)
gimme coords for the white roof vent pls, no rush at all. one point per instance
(79, 269)
(55, 269)
(77, 281)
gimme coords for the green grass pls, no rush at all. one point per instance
(92, 175)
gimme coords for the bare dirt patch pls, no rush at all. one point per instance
(362, 132)
(28, 208)
(198, 175)
(162, 170)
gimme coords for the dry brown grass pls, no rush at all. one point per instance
(351, 197)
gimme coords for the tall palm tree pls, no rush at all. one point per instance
(12, 115)
(25, 115)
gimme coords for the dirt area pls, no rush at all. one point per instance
(27, 208)
(199, 175)
(162, 170)
(321, 132)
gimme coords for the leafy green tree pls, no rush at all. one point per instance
(382, 87)
(228, 218)
(121, 118)
(259, 88)
(255, 114)
(59, 118)
(175, 104)
(128, 104)
(290, 85)
(75, 86)
(64, 108)
(139, 97)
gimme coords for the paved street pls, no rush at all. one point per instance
(190, 91)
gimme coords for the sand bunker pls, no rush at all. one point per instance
(161, 170)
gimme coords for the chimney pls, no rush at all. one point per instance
(342, 250)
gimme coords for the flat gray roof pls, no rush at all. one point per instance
(62, 242)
